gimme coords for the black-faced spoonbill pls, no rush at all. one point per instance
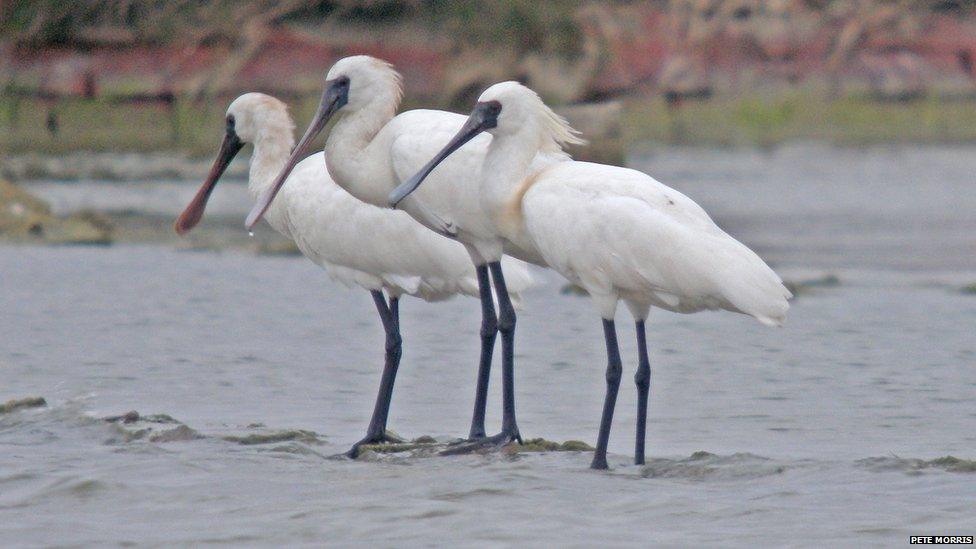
(369, 152)
(616, 232)
(357, 244)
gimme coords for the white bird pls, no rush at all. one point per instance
(377, 249)
(616, 232)
(369, 152)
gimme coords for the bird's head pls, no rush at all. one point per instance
(509, 108)
(256, 115)
(362, 81)
(357, 83)
(506, 110)
(249, 119)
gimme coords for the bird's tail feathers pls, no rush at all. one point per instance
(758, 291)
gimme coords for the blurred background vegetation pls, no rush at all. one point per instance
(43, 23)
(153, 78)
(143, 75)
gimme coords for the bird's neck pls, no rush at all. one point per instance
(271, 151)
(506, 171)
(506, 165)
(350, 151)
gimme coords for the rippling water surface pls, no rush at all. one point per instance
(824, 431)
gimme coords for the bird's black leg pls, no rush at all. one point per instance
(394, 350)
(489, 330)
(614, 368)
(506, 325)
(643, 380)
(390, 316)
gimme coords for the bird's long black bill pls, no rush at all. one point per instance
(327, 107)
(472, 127)
(193, 213)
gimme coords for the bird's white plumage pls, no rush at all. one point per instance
(617, 232)
(358, 244)
(370, 151)
(362, 245)
(620, 233)
(416, 136)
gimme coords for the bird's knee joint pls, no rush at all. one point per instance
(643, 377)
(506, 324)
(613, 374)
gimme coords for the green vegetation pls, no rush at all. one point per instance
(915, 466)
(25, 218)
(104, 125)
(179, 433)
(766, 121)
(297, 435)
(953, 464)
(394, 448)
(427, 446)
(20, 404)
(195, 127)
(523, 25)
(543, 445)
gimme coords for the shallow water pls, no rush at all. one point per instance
(814, 430)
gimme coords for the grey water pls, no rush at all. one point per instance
(821, 432)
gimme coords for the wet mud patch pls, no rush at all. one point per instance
(26, 218)
(160, 428)
(708, 466)
(914, 466)
(543, 445)
(420, 447)
(21, 404)
(427, 446)
(163, 428)
(805, 286)
(274, 437)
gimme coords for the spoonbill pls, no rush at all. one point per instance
(378, 249)
(369, 152)
(616, 232)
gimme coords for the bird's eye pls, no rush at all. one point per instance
(342, 81)
(495, 108)
(231, 120)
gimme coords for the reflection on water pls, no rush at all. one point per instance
(756, 436)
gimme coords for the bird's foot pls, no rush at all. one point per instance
(476, 444)
(476, 433)
(599, 463)
(385, 437)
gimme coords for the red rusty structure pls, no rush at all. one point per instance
(682, 48)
